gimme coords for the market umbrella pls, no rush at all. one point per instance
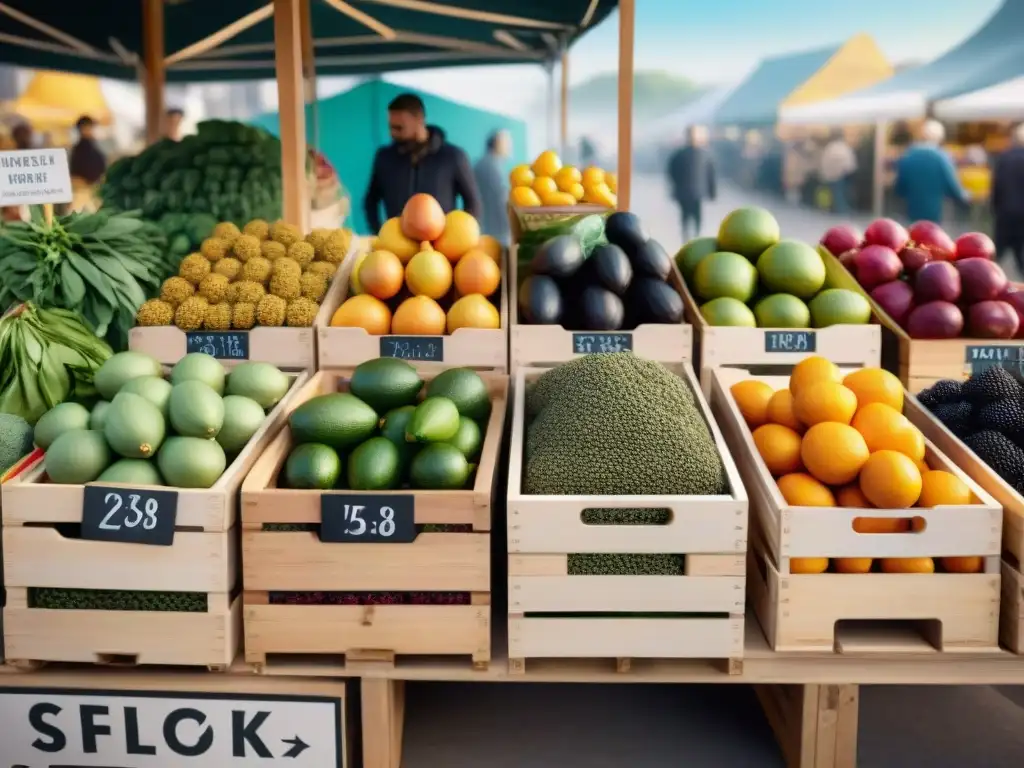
(55, 100)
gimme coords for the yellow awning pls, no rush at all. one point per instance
(57, 99)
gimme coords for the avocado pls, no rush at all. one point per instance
(77, 456)
(156, 389)
(650, 259)
(199, 366)
(385, 383)
(465, 388)
(393, 428)
(242, 419)
(469, 439)
(540, 301)
(191, 462)
(122, 368)
(375, 466)
(196, 409)
(262, 382)
(312, 465)
(98, 416)
(340, 420)
(435, 420)
(440, 467)
(655, 301)
(625, 230)
(560, 256)
(63, 417)
(610, 268)
(601, 310)
(134, 427)
(133, 471)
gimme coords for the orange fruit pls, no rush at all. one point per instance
(908, 565)
(834, 453)
(548, 163)
(391, 238)
(780, 411)
(802, 490)
(568, 176)
(491, 247)
(558, 199)
(473, 311)
(853, 564)
(824, 401)
(779, 446)
(577, 191)
(963, 564)
(752, 399)
(381, 274)
(875, 385)
(939, 488)
(363, 311)
(521, 176)
(461, 232)
(599, 194)
(808, 564)
(881, 524)
(922, 465)
(428, 273)
(524, 197)
(886, 429)
(810, 370)
(544, 186)
(850, 496)
(593, 175)
(477, 272)
(890, 480)
(418, 316)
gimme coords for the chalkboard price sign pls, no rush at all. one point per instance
(367, 518)
(224, 345)
(790, 341)
(413, 347)
(593, 343)
(129, 515)
(982, 356)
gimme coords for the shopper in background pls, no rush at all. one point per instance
(837, 164)
(87, 162)
(23, 135)
(1008, 199)
(173, 119)
(926, 176)
(691, 174)
(419, 160)
(492, 182)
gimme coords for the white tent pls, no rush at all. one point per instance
(999, 102)
(672, 126)
(866, 108)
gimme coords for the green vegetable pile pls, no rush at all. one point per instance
(227, 171)
(47, 356)
(103, 265)
(115, 600)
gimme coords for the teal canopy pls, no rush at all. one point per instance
(104, 37)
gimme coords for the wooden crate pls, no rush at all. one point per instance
(298, 561)
(800, 612)
(526, 219)
(203, 559)
(711, 531)
(769, 349)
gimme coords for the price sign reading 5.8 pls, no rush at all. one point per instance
(129, 515)
(367, 518)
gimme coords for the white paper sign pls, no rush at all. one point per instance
(34, 177)
(66, 728)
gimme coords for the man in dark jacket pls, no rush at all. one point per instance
(691, 172)
(1008, 199)
(87, 161)
(418, 160)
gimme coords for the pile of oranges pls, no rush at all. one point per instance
(548, 182)
(834, 441)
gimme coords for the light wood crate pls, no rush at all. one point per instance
(800, 612)
(298, 561)
(710, 531)
(203, 558)
(721, 346)
(527, 219)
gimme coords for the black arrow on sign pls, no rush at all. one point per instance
(298, 746)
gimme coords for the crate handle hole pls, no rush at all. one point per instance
(631, 516)
(118, 659)
(877, 526)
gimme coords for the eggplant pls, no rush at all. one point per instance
(540, 301)
(650, 259)
(610, 268)
(655, 301)
(559, 257)
(600, 310)
(625, 230)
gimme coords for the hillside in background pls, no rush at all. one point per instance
(654, 94)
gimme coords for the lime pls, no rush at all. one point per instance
(725, 274)
(748, 231)
(792, 267)
(839, 306)
(691, 254)
(782, 310)
(728, 311)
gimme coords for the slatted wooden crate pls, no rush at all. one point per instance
(703, 608)
(800, 612)
(296, 561)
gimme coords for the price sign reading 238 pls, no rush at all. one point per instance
(129, 515)
(367, 518)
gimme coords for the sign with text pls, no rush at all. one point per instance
(129, 515)
(790, 341)
(224, 345)
(427, 348)
(35, 177)
(982, 356)
(68, 728)
(367, 518)
(593, 343)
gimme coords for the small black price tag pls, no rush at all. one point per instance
(790, 341)
(413, 347)
(224, 345)
(367, 518)
(129, 515)
(593, 343)
(978, 357)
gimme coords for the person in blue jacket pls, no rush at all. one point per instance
(926, 176)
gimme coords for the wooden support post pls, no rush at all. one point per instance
(292, 110)
(564, 127)
(627, 23)
(383, 709)
(815, 725)
(309, 73)
(153, 76)
(878, 171)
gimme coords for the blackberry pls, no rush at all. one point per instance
(1002, 416)
(999, 452)
(957, 417)
(992, 385)
(1017, 436)
(942, 392)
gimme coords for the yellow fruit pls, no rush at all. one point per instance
(812, 370)
(885, 428)
(890, 480)
(381, 274)
(461, 232)
(779, 446)
(802, 490)
(834, 453)
(962, 564)
(939, 488)
(547, 163)
(491, 247)
(752, 398)
(391, 238)
(922, 465)
(473, 311)
(908, 565)
(599, 194)
(544, 186)
(577, 191)
(592, 175)
(366, 312)
(612, 180)
(780, 411)
(418, 316)
(477, 272)
(521, 176)
(808, 564)
(824, 401)
(881, 524)
(567, 177)
(875, 385)
(354, 286)
(850, 496)
(558, 199)
(428, 273)
(853, 564)
(524, 197)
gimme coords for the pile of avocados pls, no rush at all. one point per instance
(149, 429)
(616, 282)
(389, 431)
